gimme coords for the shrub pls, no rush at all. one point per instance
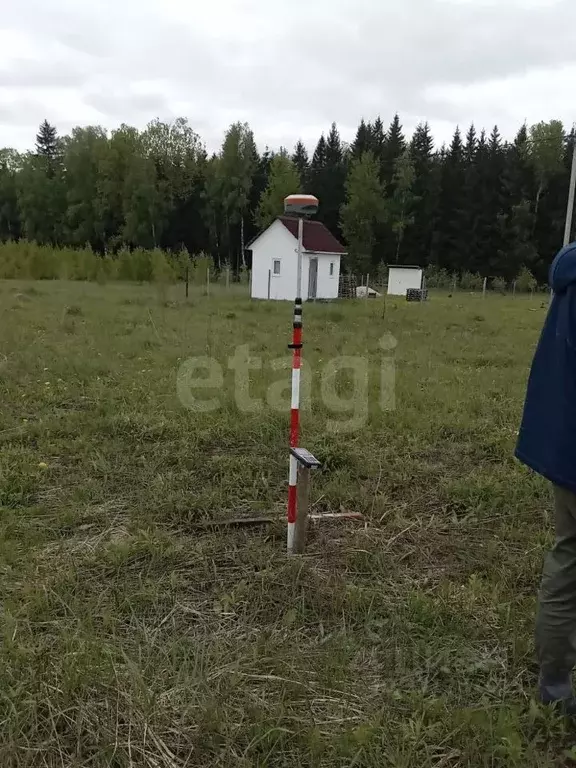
(525, 281)
(438, 278)
(200, 266)
(471, 281)
(499, 284)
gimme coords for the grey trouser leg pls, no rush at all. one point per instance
(556, 621)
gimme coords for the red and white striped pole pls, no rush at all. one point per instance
(296, 347)
(300, 205)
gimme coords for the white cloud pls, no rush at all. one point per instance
(289, 69)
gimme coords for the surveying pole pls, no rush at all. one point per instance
(299, 206)
(570, 205)
(571, 189)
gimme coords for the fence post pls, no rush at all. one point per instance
(454, 285)
(367, 284)
(514, 289)
(187, 279)
(484, 288)
(227, 278)
(269, 281)
(207, 281)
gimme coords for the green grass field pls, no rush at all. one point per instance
(133, 637)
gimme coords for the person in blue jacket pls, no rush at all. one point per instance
(547, 444)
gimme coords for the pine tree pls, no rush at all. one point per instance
(418, 237)
(41, 201)
(494, 209)
(452, 237)
(318, 165)
(42, 191)
(363, 141)
(470, 145)
(518, 179)
(328, 177)
(393, 147)
(377, 139)
(470, 198)
(47, 141)
(302, 163)
(335, 180)
(48, 149)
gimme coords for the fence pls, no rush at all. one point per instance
(363, 285)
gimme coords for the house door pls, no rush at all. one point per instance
(313, 279)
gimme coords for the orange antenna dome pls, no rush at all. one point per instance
(301, 205)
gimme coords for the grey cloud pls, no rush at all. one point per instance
(359, 57)
(21, 112)
(32, 74)
(116, 103)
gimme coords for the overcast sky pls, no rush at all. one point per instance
(288, 67)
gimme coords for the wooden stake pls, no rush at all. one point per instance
(187, 280)
(367, 284)
(484, 287)
(236, 522)
(303, 500)
(255, 522)
(208, 281)
(227, 278)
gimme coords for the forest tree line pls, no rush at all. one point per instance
(479, 205)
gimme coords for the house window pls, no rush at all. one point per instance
(276, 267)
(331, 269)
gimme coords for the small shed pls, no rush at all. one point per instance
(275, 261)
(402, 277)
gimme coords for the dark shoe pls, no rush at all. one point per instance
(559, 694)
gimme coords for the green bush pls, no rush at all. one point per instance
(471, 281)
(499, 285)
(439, 278)
(29, 261)
(525, 281)
(199, 269)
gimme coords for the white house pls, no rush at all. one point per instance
(275, 261)
(403, 277)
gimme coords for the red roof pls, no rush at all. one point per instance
(317, 237)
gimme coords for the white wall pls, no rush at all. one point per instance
(277, 243)
(400, 280)
(328, 286)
